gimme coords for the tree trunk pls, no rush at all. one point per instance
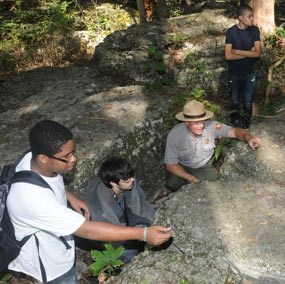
(141, 11)
(161, 10)
(263, 15)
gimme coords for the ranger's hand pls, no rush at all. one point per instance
(254, 143)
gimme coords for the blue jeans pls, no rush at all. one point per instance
(241, 89)
(67, 278)
(128, 254)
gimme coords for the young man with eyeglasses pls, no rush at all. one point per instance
(242, 49)
(116, 197)
(44, 212)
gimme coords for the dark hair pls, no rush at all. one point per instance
(114, 169)
(48, 137)
(243, 8)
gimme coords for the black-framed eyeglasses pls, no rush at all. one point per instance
(58, 159)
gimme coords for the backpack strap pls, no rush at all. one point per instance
(34, 178)
(4, 177)
(8, 170)
(29, 177)
(43, 271)
(17, 161)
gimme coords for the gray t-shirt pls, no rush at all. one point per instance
(190, 151)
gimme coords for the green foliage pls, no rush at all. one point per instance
(183, 281)
(107, 18)
(160, 80)
(176, 39)
(192, 62)
(156, 54)
(33, 25)
(218, 150)
(199, 74)
(5, 278)
(179, 100)
(221, 144)
(212, 106)
(25, 36)
(42, 33)
(197, 93)
(274, 41)
(156, 63)
(174, 8)
(107, 260)
(280, 31)
(275, 49)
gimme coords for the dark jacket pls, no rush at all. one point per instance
(102, 203)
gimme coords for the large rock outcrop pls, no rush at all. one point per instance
(228, 231)
(105, 115)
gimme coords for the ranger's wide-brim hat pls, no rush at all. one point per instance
(194, 111)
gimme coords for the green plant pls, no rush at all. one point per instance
(176, 39)
(5, 278)
(211, 106)
(218, 150)
(197, 93)
(107, 261)
(222, 143)
(106, 17)
(179, 100)
(274, 41)
(35, 35)
(199, 75)
(183, 281)
(280, 31)
(159, 79)
(155, 53)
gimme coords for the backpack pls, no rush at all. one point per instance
(9, 246)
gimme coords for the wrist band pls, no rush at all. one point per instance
(145, 234)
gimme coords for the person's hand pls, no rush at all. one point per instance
(237, 52)
(78, 205)
(156, 235)
(193, 179)
(81, 207)
(254, 143)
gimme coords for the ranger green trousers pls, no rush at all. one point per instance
(206, 172)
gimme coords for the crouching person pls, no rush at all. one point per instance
(116, 197)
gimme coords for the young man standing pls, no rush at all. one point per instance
(116, 197)
(49, 254)
(242, 48)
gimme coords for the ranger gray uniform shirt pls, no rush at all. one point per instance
(189, 150)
